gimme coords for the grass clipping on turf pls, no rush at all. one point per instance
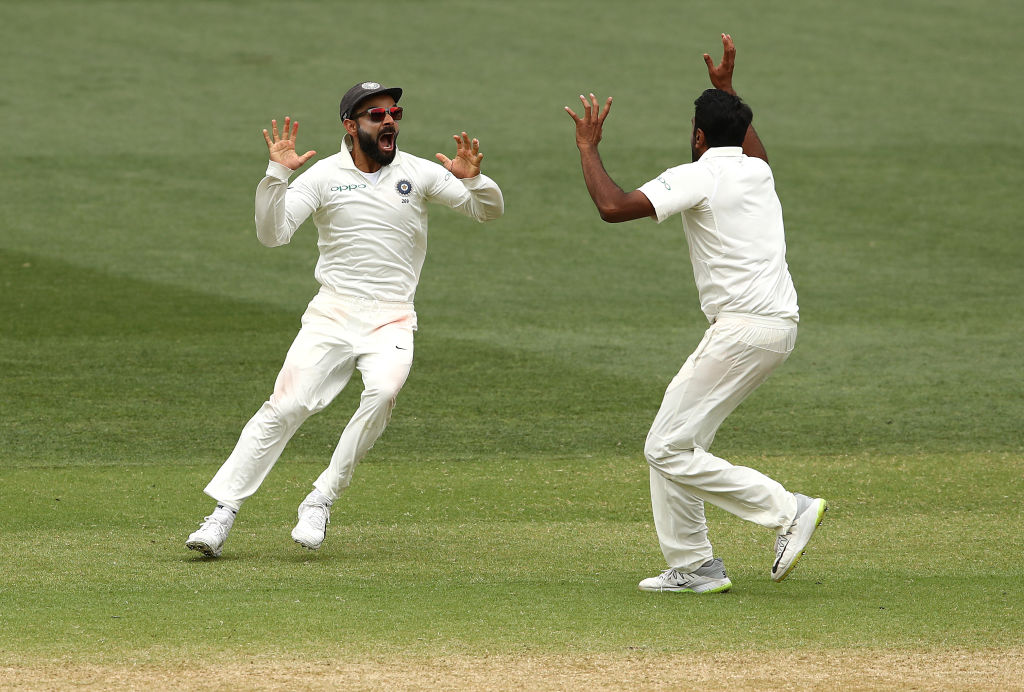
(990, 669)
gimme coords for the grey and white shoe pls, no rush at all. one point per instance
(708, 578)
(792, 541)
(314, 516)
(209, 538)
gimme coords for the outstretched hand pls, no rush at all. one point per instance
(721, 74)
(590, 126)
(282, 147)
(466, 163)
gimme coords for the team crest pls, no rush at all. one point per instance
(404, 187)
(370, 85)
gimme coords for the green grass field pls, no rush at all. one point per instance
(505, 511)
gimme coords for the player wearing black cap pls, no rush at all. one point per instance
(369, 203)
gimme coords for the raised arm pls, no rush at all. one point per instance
(282, 146)
(612, 202)
(478, 196)
(466, 163)
(280, 212)
(721, 78)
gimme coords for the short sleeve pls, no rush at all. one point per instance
(677, 190)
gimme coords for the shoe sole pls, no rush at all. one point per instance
(202, 548)
(817, 523)
(721, 588)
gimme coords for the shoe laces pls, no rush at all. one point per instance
(317, 514)
(213, 523)
(675, 577)
(781, 541)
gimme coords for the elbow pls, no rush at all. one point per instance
(613, 215)
(497, 209)
(621, 208)
(269, 239)
(272, 242)
(490, 213)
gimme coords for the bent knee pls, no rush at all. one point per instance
(291, 409)
(658, 452)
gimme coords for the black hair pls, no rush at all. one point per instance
(723, 117)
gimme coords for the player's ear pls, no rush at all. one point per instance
(350, 134)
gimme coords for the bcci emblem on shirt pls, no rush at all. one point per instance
(404, 187)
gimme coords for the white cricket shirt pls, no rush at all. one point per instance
(373, 235)
(732, 219)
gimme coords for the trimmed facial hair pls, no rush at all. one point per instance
(369, 146)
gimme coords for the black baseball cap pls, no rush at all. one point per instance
(364, 90)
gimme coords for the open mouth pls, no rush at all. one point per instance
(386, 140)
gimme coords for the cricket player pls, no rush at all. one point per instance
(369, 204)
(732, 220)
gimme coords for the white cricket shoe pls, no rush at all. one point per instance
(708, 578)
(791, 541)
(209, 538)
(314, 516)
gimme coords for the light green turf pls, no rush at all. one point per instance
(529, 554)
(506, 507)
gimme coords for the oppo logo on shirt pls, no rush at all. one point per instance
(346, 188)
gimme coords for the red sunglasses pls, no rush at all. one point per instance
(377, 115)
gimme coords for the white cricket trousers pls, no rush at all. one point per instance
(737, 354)
(338, 334)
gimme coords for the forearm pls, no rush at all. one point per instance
(272, 224)
(484, 201)
(752, 145)
(611, 201)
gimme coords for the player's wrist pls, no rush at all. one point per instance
(474, 182)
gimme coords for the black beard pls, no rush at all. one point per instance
(369, 147)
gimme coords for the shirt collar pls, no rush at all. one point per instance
(345, 157)
(715, 152)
